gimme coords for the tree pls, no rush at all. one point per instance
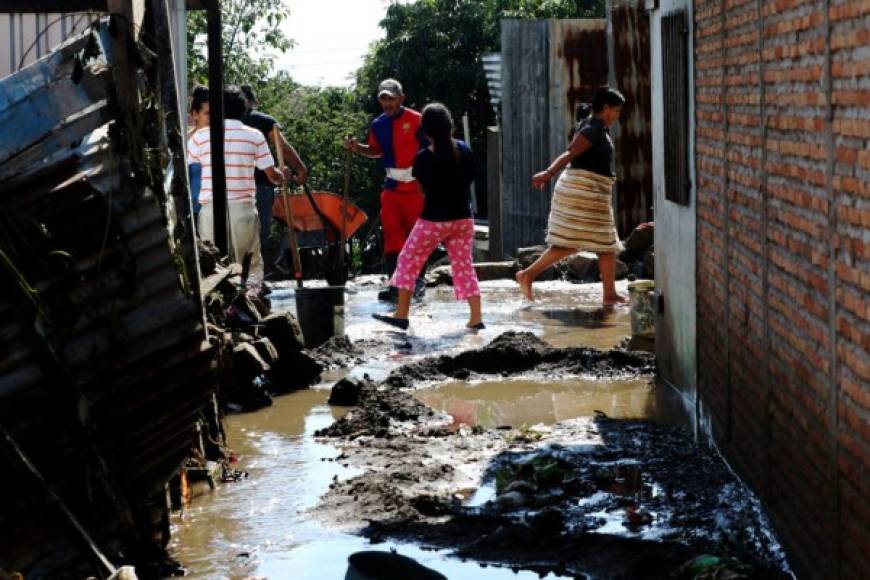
(252, 37)
(434, 47)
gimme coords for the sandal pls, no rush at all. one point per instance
(401, 323)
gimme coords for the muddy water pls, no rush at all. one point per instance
(260, 526)
(528, 402)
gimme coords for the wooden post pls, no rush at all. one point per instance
(216, 126)
(288, 210)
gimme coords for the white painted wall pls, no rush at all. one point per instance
(675, 237)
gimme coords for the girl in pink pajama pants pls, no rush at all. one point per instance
(444, 171)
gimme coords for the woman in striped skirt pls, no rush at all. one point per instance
(581, 214)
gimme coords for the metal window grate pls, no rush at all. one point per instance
(676, 106)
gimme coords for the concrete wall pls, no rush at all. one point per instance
(782, 129)
(674, 243)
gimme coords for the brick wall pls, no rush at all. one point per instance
(783, 165)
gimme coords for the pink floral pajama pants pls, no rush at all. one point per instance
(457, 236)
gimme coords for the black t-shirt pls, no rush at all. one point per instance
(447, 187)
(263, 123)
(599, 157)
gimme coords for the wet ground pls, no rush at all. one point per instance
(441, 476)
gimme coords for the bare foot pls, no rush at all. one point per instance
(525, 285)
(614, 299)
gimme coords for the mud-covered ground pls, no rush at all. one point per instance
(587, 497)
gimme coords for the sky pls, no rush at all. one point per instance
(331, 36)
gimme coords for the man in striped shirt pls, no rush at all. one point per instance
(245, 149)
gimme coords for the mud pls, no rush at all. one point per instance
(514, 353)
(339, 352)
(378, 412)
(586, 497)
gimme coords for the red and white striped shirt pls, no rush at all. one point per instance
(245, 148)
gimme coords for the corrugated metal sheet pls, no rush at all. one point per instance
(548, 66)
(629, 41)
(492, 69)
(104, 358)
(25, 38)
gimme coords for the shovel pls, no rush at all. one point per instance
(288, 211)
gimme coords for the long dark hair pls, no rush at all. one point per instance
(198, 97)
(604, 95)
(437, 123)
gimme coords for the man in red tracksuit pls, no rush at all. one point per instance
(394, 138)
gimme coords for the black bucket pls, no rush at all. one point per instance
(387, 566)
(321, 313)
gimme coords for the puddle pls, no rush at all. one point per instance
(260, 525)
(526, 402)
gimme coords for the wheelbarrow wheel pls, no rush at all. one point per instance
(335, 270)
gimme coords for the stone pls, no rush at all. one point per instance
(439, 276)
(242, 312)
(510, 501)
(265, 349)
(294, 371)
(495, 271)
(641, 238)
(521, 486)
(525, 256)
(209, 258)
(548, 520)
(583, 265)
(284, 332)
(345, 393)
(247, 363)
(621, 270)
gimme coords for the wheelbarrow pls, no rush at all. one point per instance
(322, 229)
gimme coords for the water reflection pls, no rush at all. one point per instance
(518, 402)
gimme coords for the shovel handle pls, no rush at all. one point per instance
(288, 211)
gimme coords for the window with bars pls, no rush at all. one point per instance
(675, 90)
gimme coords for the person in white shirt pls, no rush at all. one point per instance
(245, 149)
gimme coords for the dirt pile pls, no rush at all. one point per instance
(339, 352)
(379, 410)
(514, 353)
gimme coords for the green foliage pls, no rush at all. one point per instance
(315, 121)
(434, 47)
(252, 37)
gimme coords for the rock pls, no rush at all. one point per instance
(293, 371)
(548, 521)
(636, 517)
(641, 238)
(265, 349)
(521, 486)
(345, 393)
(621, 270)
(510, 501)
(242, 312)
(649, 264)
(284, 332)
(247, 363)
(525, 256)
(583, 265)
(439, 276)
(209, 258)
(495, 271)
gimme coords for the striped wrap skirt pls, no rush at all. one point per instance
(581, 213)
